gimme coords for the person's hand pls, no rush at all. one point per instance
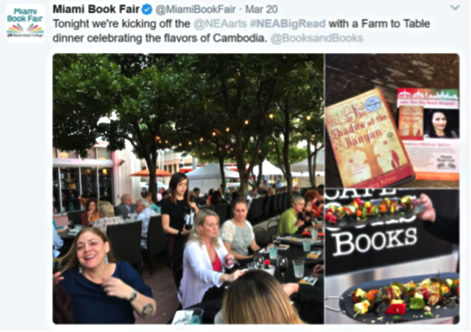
(229, 260)
(186, 231)
(235, 275)
(57, 277)
(318, 269)
(116, 287)
(299, 223)
(291, 288)
(429, 214)
(194, 206)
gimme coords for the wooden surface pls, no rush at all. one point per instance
(348, 75)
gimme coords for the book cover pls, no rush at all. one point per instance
(411, 122)
(366, 142)
(435, 155)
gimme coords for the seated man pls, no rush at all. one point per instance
(126, 206)
(289, 223)
(144, 215)
(200, 201)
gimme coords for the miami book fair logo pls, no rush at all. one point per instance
(25, 23)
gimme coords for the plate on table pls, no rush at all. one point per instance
(315, 254)
(448, 306)
(308, 280)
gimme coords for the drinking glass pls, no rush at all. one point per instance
(259, 261)
(272, 251)
(298, 265)
(197, 316)
(306, 245)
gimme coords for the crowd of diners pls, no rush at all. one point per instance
(90, 286)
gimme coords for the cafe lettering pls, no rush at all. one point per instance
(392, 240)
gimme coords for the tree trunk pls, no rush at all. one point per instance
(244, 175)
(310, 167)
(223, 173)
(260, 174)
(151, 166)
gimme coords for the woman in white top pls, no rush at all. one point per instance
(204, 260)
(237, 233)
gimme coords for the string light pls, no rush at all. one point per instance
(228, 129)
(271, 116)
(214, 133)
(246, 122)
(308, 118)
(201, 139)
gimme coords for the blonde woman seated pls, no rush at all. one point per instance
(107, 217)
(257, 298)
(204, 260)
(237, 233)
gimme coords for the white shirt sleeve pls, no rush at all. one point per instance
(197, 258)
(228, 231)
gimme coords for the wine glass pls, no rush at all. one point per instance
(283, 265)
(259, 261)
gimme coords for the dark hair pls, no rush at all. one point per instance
(174, 181)
(70, 261)
(196, 189)
(61, 306)
(239, 201)
(431, 129)
(87, 205)
(216, 198)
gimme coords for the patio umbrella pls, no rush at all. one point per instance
(145, 173)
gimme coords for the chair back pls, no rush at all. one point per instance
(156, 236)
(272, 228)
(222, 212)
(126, 242)
(75, 217)
(268, 207)
(261, 237)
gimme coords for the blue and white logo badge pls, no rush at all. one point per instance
(25, 23)
(372, 104)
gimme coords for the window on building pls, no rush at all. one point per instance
(89, 182)
(70, 188)
(105, 179)
(103, 154)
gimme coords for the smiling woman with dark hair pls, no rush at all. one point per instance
(438, 126)
(101, 290)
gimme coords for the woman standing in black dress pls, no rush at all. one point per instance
(174, 210)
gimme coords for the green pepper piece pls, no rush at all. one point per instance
(416, 303)
(428, 314)
(396, 317)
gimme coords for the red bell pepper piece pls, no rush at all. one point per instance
(396, 309)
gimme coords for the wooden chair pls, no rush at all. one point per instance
(126, 243)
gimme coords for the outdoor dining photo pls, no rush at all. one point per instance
(188, 189)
